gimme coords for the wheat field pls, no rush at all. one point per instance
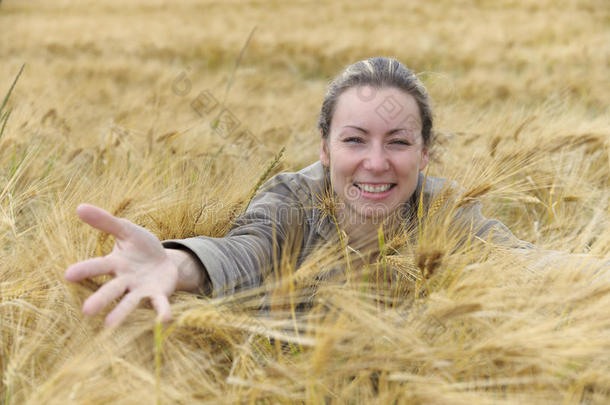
(170, 113)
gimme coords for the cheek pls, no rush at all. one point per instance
(342, 161)
(404, 165)
(409, 163)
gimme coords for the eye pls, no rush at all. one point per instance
(400, 142)
(352, 139)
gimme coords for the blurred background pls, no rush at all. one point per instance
(168, 113)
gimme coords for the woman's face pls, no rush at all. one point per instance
(374, 149)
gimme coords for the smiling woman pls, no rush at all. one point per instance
(376, 129)
(374, 160)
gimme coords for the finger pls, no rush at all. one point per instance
(105, 295)
(124, 308)
(161, 305)
(89, 268)
(103, 220)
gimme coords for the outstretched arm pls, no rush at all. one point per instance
(141, 266)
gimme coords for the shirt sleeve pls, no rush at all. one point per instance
(486, 229)
(242, 258)
(540, 260)
(442, 197)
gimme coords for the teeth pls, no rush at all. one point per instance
(377, 188)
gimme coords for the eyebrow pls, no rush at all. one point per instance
(364, 131)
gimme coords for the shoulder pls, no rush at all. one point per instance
(307, 181)
(308, 176)
(433, 187)
(288, 197)
(293, 188)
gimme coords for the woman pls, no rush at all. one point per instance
(376, 128)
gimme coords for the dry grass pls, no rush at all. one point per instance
(103, 114)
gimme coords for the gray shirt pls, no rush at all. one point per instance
(287, 212)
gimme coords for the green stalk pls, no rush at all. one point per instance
(382, 252)
(10, 90)
(420, 207)
(3, 120)
(4, 115)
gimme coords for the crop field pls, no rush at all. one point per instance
(172, 113)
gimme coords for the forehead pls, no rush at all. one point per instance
(377, 107)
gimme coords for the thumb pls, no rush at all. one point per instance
(102, 220)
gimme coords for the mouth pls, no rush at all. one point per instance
(375, 188)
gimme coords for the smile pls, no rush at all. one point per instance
(374, 188)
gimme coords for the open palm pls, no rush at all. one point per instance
(140, 264)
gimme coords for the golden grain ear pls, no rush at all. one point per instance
(324, 154)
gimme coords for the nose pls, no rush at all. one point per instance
(376, 159)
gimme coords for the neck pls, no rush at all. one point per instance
(363, 232)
